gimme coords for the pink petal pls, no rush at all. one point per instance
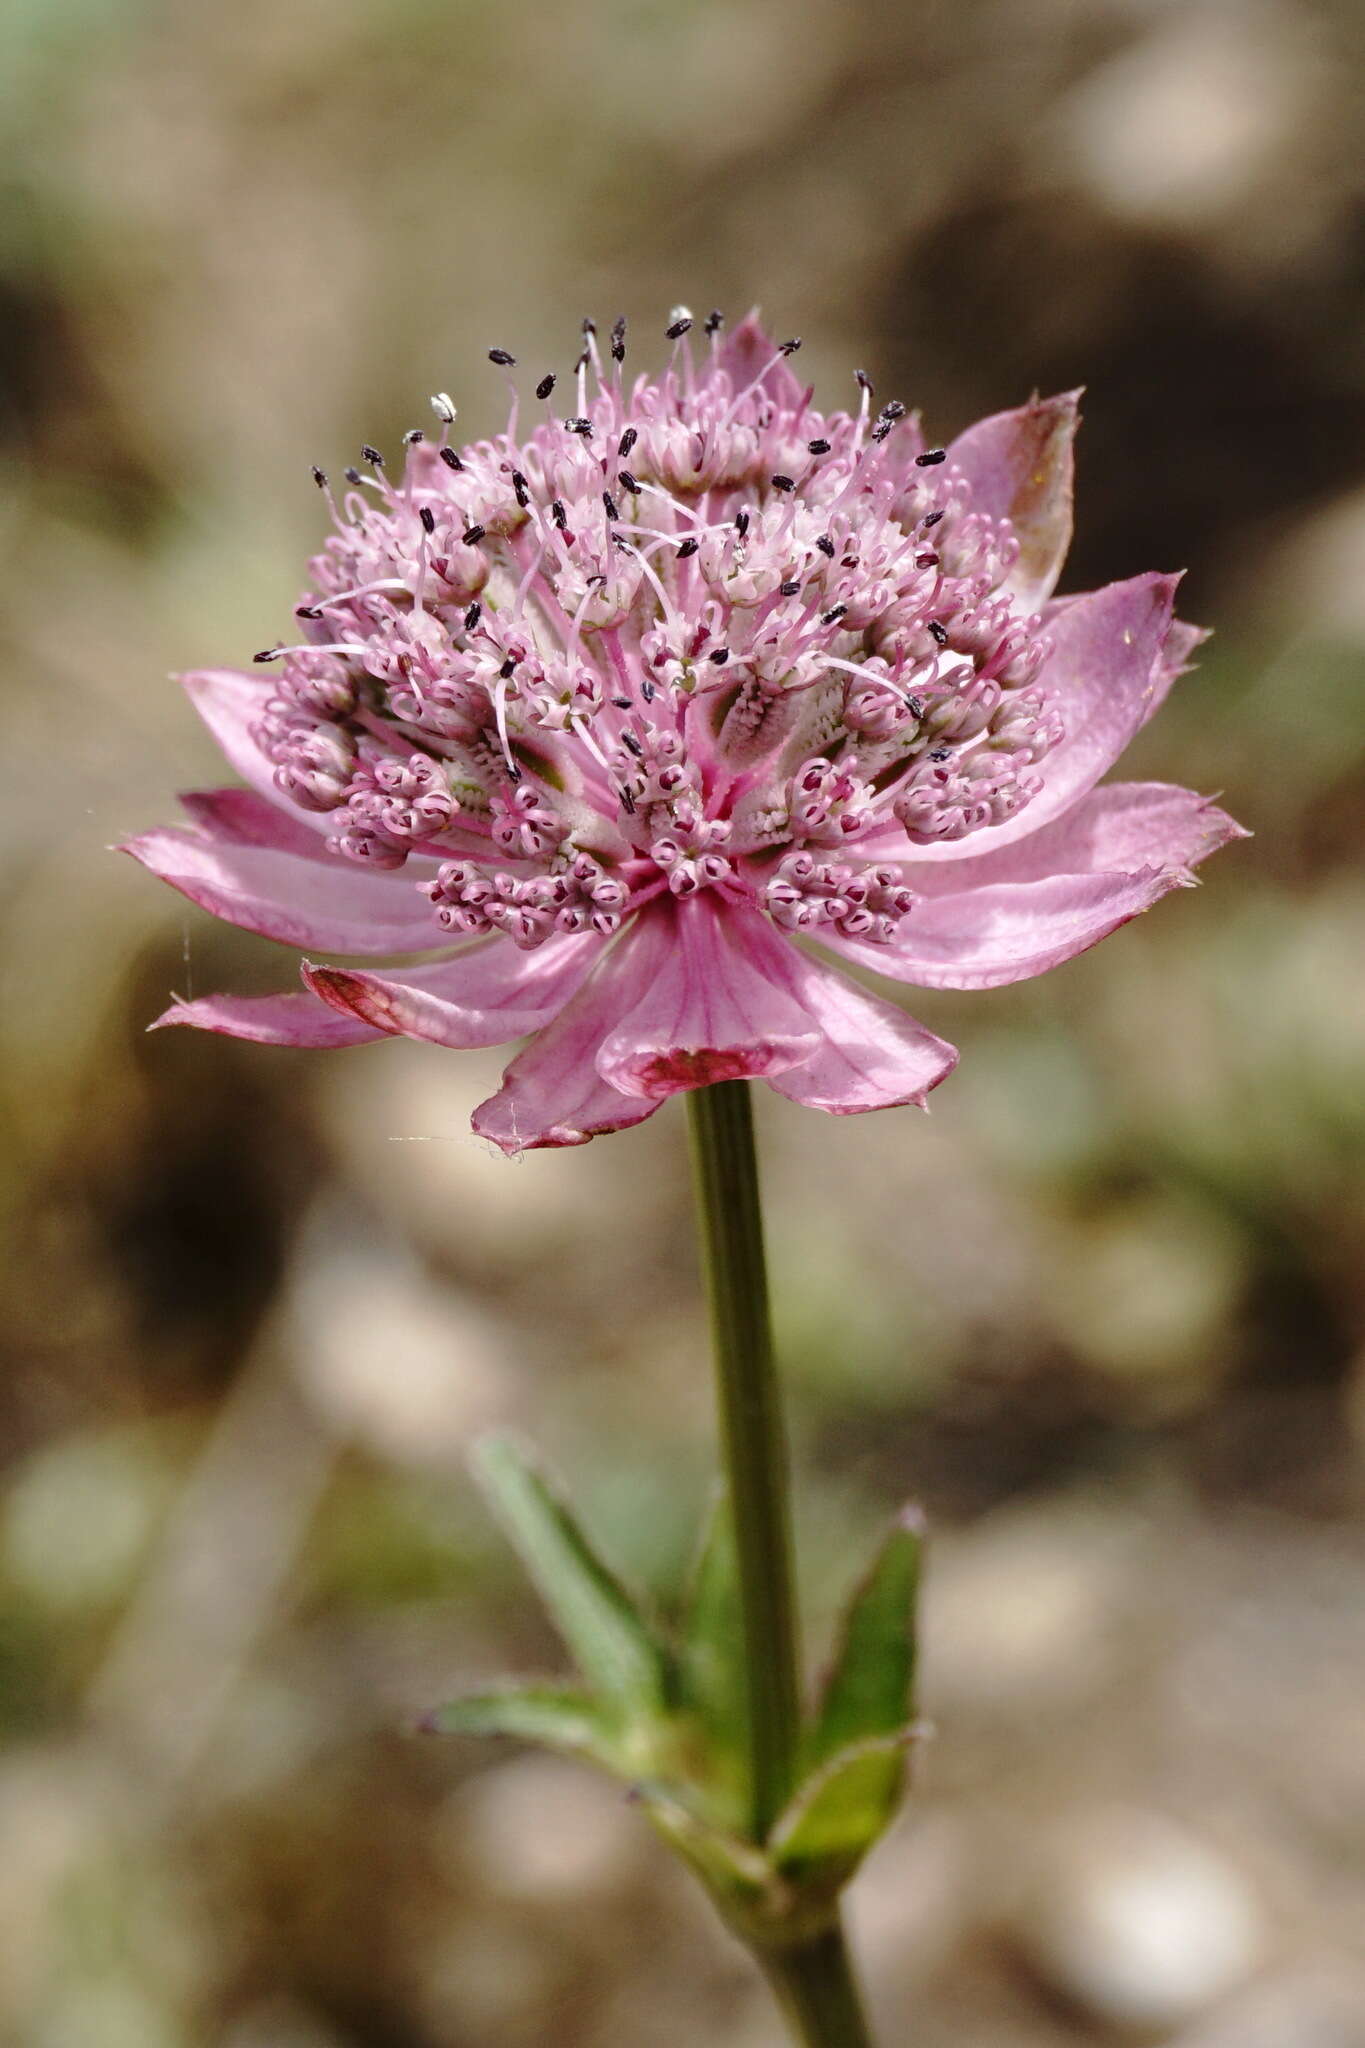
(745, 351)
(295, 1019)
(230, 703)
(698, 992)
(488, 993)
(1008, 931)
(248, 819)
(676, 1003)
(1020, 467)
(1174, 662)
(1120, 828)
(300, 901)
(868, 1055)
(552, 1093)
(1022, 909)
(709, 1011)
(1107, 671)
(485, 996)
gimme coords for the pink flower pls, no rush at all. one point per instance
(611, 713)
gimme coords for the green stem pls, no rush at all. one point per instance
(816, 1989)
(813, 1979)
(730, 1221)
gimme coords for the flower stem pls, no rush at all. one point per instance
(817, 1991)
(813, 1979)
(730, 1222)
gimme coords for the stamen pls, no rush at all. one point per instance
(506, 361)
(500, 717)
(307, 647)
(871, 675)
(581, 727)
(659, 591)
(588, 649)
(333, 598)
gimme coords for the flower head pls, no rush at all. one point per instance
(613, 710)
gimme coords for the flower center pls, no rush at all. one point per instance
(692, 634)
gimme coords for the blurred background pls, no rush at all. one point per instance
(1101, 1312)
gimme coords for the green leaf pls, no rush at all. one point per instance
(840, 1811)
(855, 1753)
(711, 1678)
(555, 1717)
(614, 1649)
(870, 1690)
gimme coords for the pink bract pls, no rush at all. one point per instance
(618, 713)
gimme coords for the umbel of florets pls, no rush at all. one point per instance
(635, 714)
(695, 634)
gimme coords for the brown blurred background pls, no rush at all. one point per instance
(1102, 1311)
